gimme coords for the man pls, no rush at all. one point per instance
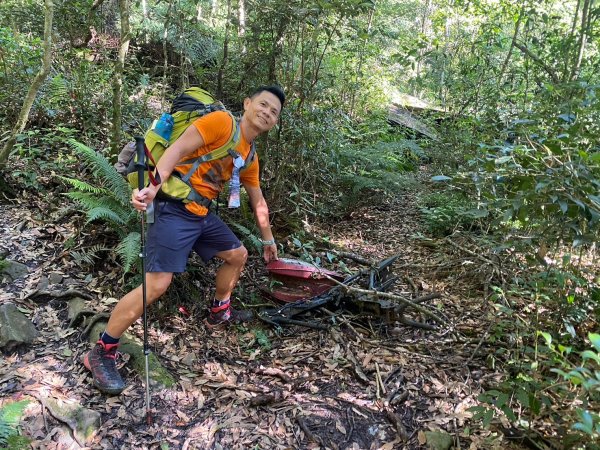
(179, 228)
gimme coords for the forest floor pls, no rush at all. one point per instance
(362, 384)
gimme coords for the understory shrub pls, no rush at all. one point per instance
(105, 196)
(545, 173)
(378, 169)
(543, 337)
(445, 212)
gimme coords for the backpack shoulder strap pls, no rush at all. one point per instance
(251, 156)
(217, 153)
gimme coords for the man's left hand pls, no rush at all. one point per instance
(270, 253)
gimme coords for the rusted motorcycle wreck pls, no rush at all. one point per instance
(305, 289)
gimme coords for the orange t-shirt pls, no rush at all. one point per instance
(210, 177)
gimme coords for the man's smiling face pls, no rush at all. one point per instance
(262, 111)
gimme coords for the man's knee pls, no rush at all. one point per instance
(158, 283)
(236, 257)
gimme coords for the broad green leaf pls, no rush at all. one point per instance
(501, 400)
(563, 206)
(534, 404)
(507, 214)
(478, 213)
(503, 159)
(487, 417)
(567, 117)
(523, 397)
(586, 418)
(547, 337)
(563, 349)
(588, 354)
(581, 427)
(595, 340)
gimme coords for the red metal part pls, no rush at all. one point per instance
(294, 280)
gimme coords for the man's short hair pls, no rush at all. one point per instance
(273, 89)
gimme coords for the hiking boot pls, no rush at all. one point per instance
(227, 316)
(101, 361)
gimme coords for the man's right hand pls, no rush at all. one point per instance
(141, 199)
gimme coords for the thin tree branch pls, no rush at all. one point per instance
(549, 70)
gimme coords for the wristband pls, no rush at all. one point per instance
(267, 242)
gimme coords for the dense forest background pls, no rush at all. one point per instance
(508, 89)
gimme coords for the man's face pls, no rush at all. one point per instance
(262, 111)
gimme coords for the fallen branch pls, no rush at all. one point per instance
(309, 434)
(354, 257)
(273, 372)
(401, 299)
(470, 252)
(397, 423)
(68, 293)
(398, 298)
(266, 399)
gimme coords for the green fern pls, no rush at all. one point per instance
(104, 170)
(248, 236)
(83, 186)
(10, 416)
(105, 198)
(107, 215)
(128, 250)
(105, 207)
(88, 256)
(57, 90)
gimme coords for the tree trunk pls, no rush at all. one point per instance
(165, 52)
(118, 78)
(425, 27)
(361, 58)
(276, 50)
(214, 6)
(585, 21)
(145, 20)
(570, 40)
(242, 25)
(512, 46)
(225, 52)
(35, 85)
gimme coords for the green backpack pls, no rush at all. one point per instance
(193, 103)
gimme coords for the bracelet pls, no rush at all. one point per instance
(269, 242)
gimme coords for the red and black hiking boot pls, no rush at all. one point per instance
(220, 316)
(101, 361)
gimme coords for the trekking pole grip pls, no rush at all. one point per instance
(140, 163)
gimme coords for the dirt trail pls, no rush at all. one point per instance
(361, 385)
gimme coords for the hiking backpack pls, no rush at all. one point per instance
(193, 103)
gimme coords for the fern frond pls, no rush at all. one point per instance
(103, 169)
(107, 214)
(248, 236)
(84, 186)
(128, 250)
(58, 89)
(125, 215)
(87, 257)
(10, 416)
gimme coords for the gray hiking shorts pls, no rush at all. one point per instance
(176, 232)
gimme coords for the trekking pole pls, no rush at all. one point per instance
(141, 169)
